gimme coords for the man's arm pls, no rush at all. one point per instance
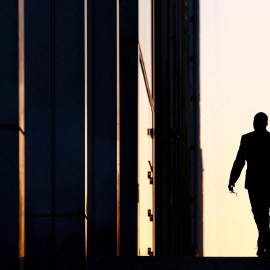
(238, 165)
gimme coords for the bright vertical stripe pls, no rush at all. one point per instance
(21, 108)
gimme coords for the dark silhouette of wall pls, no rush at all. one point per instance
(129, 126)
(102, 127)
(55, 82)
(55, 204)
(178, 170)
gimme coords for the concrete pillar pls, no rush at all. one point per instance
(55, 147)
(129, 126)
(102, 127)
(173, 129)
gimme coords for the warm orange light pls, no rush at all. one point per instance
(21, 195)
(234, 76)
(21, 110)
(146, 207)
(145, 147)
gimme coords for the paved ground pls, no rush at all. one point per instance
(183, 263)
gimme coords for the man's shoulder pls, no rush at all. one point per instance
(248, 135)
(254, 135)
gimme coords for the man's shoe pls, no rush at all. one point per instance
(261, 253)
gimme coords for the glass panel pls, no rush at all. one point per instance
(145, 226)
(145, 36)
(69, 107)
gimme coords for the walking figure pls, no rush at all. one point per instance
(255, 150)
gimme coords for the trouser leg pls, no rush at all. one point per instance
(260, 208)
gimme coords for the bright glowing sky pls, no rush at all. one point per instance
(235, 85)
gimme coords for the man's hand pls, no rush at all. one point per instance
(230, 187)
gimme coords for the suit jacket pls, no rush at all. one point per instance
(255, 150)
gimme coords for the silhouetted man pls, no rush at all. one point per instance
(255, 150)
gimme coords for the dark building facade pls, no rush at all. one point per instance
(99, 131)
(177, 134)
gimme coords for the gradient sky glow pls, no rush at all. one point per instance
(235, 85)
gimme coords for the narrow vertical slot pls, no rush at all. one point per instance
(21, 195)
(21, 109)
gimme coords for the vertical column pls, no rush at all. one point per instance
(39, 126)
(69, 134)
(162, 131)
(173, 162)
(12, 133)
(55, 99)
(102, 127)
(196, 157)
(129, 126)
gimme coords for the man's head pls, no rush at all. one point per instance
(260, 121)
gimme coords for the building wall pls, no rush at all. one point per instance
(55, 151)
(72, 130)
(177, 135)
(196, 155)
(102, 128)
(128, 127)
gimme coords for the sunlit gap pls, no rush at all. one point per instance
(21, 110)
